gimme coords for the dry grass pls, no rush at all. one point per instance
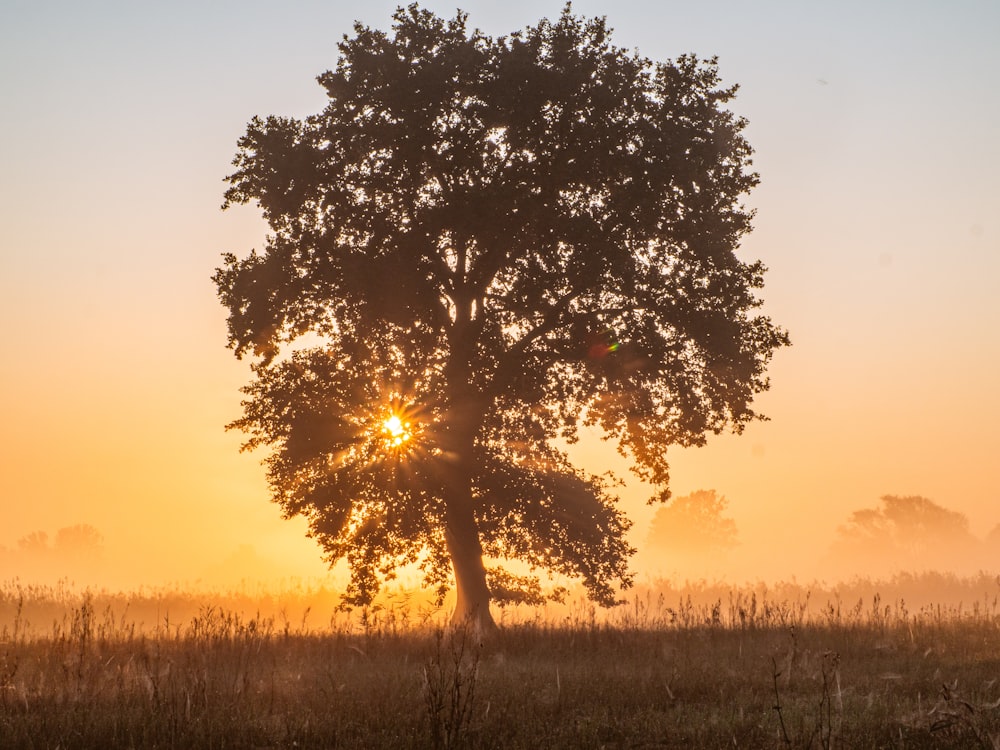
(677, 667)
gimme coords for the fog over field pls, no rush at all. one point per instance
(693, 539)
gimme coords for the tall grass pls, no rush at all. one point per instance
(864, 665)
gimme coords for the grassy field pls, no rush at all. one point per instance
(697, 666)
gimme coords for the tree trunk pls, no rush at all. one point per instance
(464, 421)
(462, 537)
(462, 534)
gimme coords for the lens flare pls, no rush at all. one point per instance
(396, 430)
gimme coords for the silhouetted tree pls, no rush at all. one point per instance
(74, 551)
(80, 543)
(693, 526)
(491, 240)
(36, 543)
(907, 532)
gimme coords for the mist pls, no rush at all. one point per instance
(695, 538)
(692, 539)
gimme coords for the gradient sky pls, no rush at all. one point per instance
(876, 130)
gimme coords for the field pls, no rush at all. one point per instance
(693, 666)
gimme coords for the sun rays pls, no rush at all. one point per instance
(396, 431)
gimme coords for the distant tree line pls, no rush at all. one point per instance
(901, 533)
(910, 533)
(73, 550)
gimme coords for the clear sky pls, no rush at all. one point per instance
(876, 130)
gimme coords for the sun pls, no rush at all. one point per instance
(397, 431)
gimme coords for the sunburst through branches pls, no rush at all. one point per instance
(397, 431)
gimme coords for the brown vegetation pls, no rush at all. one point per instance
(699, 666)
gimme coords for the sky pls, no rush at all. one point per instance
(878, 215)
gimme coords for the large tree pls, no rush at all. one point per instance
(477, 246)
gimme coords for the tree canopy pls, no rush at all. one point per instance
(479, 245)
(693, 526)
(906, 532)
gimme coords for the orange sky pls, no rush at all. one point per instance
(877, 215)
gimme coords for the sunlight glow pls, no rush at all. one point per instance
(397, 431)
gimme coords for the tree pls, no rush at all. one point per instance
(906, 531)
(36, 544)
(693, 526)
(74, 551)
(479, 244)
(81, 543)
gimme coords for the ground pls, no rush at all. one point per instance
(747, 671)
